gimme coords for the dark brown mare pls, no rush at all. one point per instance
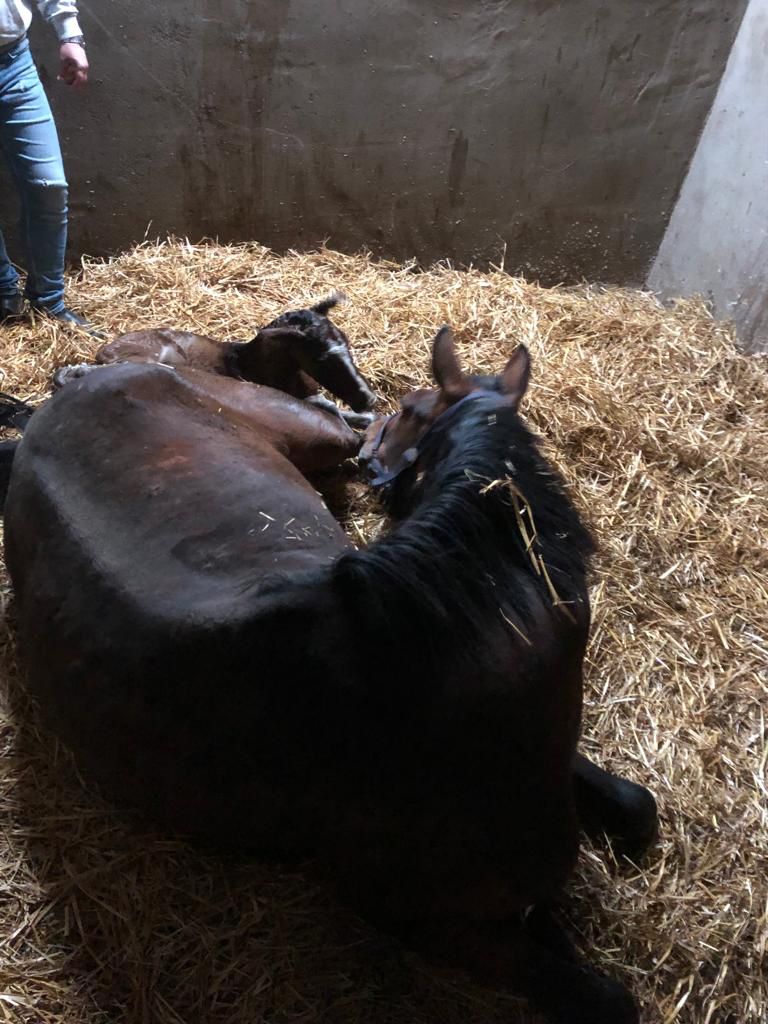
(298, 352)
(199, 630)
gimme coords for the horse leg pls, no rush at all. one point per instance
(356, 420)
(623, 810)
(535, 962)
(544, 928)
(312, 440)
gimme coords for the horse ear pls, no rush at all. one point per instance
(446, 370)
(516, 374)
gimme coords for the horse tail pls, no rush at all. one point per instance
(7, 452)
(322, 308)
(14, 412)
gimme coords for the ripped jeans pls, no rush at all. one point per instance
(30, 143)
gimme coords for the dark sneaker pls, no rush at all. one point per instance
(11, 307)
(69, 317)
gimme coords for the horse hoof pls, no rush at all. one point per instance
(358, 420)
(608, 805)
(602, 1001)
(616, 1005)
(640, 824)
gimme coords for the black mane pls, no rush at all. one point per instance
(313, 319)
(462, 556)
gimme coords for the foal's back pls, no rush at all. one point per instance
(169, 347)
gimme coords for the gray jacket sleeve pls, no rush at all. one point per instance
(62, 14)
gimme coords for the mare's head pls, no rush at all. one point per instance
(393, 444)
(325, 355)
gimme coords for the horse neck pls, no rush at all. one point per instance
(464, 551)
(266, 361)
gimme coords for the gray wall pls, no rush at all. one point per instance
(561, 130)
(717, 241)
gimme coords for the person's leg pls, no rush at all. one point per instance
(29, 139)
(9, 279)
(11, 302)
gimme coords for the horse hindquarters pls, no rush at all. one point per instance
(138, 632)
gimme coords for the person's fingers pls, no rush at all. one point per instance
(74, 75)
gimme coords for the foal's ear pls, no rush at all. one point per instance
(446, 370)
(516, 374)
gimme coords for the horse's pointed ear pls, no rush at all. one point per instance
(516, 374)
(446, 370)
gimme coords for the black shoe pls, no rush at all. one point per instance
(68, 316)
(11, 308)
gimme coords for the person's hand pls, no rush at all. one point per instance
(74, 65)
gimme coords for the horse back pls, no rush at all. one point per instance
(167, 346)
(154, 549)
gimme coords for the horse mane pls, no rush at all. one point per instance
(313, 318)
(466, 552)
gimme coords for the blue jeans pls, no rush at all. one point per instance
(30, 143)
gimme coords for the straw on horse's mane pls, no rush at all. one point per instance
(448, 566)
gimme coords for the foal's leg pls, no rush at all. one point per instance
(536, 963)
(356, 420)
(623, 810)
(311, 439)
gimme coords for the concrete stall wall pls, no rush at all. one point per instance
(717, 241)
(559, 131)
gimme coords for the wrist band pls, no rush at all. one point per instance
(80, 40)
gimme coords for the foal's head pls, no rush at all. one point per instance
(327, 356)
(392, 444)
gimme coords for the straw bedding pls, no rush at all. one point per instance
(659, 425)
